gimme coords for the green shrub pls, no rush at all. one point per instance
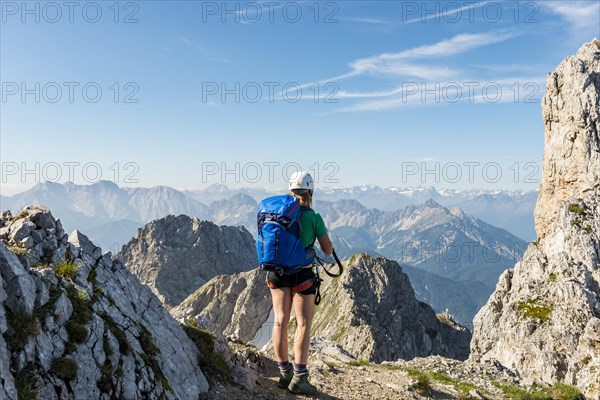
(552, 277)
(210, 360)
(66, 269)
(64, 368)
(77, 334)
(22, 327)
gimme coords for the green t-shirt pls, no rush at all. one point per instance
(312, 227)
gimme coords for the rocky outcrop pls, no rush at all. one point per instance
(543, 320)
(372, 312)
(174, 256)
(236, 305)
(76, 324)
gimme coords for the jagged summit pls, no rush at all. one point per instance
(543, 320)
(175, 255)
(371, 310)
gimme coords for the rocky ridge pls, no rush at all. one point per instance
(543, 319)
(76, 324)
(235, 305)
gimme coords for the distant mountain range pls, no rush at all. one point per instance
(508, 209)
(446, 247)
(104, 201)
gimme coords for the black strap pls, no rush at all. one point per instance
(338, 262)
(318, 293)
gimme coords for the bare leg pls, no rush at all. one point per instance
(304, 310)
(282, 307)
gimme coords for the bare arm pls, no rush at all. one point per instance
(326, 245)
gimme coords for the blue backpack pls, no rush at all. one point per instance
(278, 242)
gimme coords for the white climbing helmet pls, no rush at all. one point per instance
(301, 180)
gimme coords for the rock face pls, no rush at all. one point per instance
(543, 320)
(77, 324)
(174, 256)
(372, 312)
(237, 305)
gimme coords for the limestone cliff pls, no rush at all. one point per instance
(543, 320)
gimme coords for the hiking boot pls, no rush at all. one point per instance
(301, 385)
(285, 377)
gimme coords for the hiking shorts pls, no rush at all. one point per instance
(303, 282)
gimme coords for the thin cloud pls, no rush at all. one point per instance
(456, 45)
(403, 64)
(399, 63)
(373, 21)
(581, 15)
(506, 90)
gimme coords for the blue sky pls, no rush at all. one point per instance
(162, 68)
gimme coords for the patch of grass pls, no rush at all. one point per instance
(26, 385)
(23, 326)
(105, 384)
(97, 293)
(462, 386)
(64, 368)
(558, 391)
(82, 308)
(124, 346)
(48, 308)
(149, 356)
(561, 391)
(359, 362)
(534, 309)
(210, 360)
(552, 277)
(18, 250)
(390, 367)
(147, 343)
(19, 216)
(166, 385)
(576, 209)
(423, 385)
(587, 228)
(66, 269)
(91, 276)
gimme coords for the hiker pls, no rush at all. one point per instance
(298, 290)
